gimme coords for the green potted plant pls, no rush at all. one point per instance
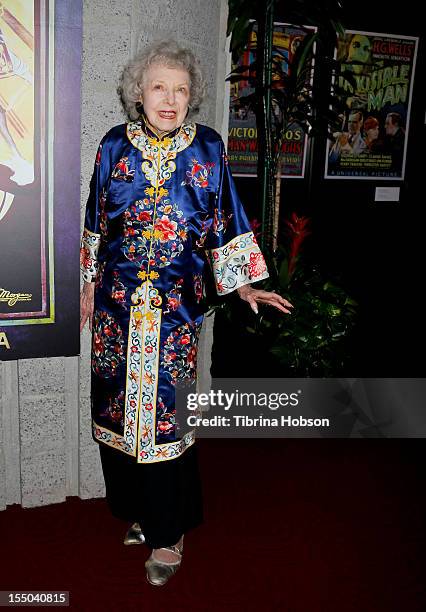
(313, 340)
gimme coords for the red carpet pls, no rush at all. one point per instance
(290, 525)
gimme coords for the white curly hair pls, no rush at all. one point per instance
(166, 53)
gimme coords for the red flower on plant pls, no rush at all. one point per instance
(298, 231)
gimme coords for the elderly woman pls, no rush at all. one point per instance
(162, 204)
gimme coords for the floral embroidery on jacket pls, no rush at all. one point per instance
(166, 419)
(174, 297)
(217, 224)
(180, 352)
(257, 265)
(204, 230)
(198, 287)
(220, 221)
(86, 260)
(198, 175)
(167, 233)
(103, 219)
(122, 172)
(160, 154)
(98, 155)
(107, 345)
(115, 409)
(118, 289)
(89, 255)
(237, 262)
(99, 281)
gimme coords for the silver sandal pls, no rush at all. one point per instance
(134, 535)
(159, 572)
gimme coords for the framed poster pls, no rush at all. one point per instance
(39, 203)
(242, 132)
(375, 87)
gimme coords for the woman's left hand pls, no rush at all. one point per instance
(258, 296)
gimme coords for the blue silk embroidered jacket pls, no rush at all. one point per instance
(158, 212)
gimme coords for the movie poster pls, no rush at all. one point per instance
(376, 82)
(37, 231)
(242, 134)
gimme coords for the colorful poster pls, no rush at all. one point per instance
(33, 188)
(242, 134)
(375, 86)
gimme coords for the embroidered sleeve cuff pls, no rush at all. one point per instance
(237, 263)
(89, 255)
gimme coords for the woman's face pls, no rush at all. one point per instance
(373, 133)
(165, 97)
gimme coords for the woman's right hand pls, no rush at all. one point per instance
(87, 301)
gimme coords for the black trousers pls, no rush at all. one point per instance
(165, 497)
